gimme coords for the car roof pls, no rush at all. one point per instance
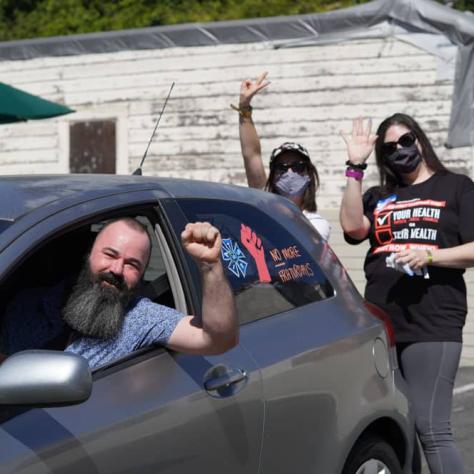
(20, 195)
(26, 200)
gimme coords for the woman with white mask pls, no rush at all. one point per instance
(292, 174)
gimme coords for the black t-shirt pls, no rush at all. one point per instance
(437, 213)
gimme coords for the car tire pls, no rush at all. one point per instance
(372, 454)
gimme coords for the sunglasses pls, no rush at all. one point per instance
(406, 140)
(297, 167)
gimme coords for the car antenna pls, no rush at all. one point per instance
(138, 171)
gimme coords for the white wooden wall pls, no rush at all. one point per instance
(315, 91)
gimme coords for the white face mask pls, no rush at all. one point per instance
(291, 184)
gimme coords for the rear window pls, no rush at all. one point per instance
(268, 268)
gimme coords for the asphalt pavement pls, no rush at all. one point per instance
(463, 417)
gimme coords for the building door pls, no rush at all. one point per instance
(92, 147)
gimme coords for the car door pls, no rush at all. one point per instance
(310, 343)
(151, 412)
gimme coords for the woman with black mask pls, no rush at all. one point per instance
(419, 222)
(292, 174)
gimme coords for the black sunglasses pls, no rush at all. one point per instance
(406, 140)
(297, 167)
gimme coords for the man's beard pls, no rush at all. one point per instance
(95, 310)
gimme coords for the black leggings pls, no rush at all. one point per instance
(429, 369)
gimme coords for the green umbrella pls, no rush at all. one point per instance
(17, 106)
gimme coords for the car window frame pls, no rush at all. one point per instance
(171, 270)
(144, 203)
(313, 258)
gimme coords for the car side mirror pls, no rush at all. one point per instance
(44, 378)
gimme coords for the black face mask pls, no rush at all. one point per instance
(405, 160)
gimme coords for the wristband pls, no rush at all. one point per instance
(356, 166)
(430, 257)
(356, 174)
(244, 112)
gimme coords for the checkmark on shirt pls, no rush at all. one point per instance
(382, 220)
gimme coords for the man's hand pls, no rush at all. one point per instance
(203, 242)
(361, 142)
(249, 88)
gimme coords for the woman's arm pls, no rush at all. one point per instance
(461, 256)
(353, 221)
(359, 147)
(249, 140)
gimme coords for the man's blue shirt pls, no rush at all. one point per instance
(33, 319)
(145, 324)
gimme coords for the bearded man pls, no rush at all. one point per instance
(104, 319)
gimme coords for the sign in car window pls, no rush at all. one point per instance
(269, 270)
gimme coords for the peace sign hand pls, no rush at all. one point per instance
(361, 142)
(249, 88)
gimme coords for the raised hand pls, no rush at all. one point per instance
(249, 88)
(360, 142)
(203, 242)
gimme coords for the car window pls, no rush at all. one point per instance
(268, 268)
(33, 295)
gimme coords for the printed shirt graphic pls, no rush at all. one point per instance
(411, 224)
(437, 213)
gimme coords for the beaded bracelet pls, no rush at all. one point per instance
(356, 166)
(430, 256)
(356, 174)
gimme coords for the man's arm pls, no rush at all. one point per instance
(218, 330)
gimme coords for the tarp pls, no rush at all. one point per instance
(416, 16)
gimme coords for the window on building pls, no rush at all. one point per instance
(92, 146)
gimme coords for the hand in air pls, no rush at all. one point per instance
(203, 242)
(249, 88)
(360, 142)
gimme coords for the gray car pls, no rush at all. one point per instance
(312, 387)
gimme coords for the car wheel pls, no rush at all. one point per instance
(372, 456)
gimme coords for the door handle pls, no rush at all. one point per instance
(231, 377)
